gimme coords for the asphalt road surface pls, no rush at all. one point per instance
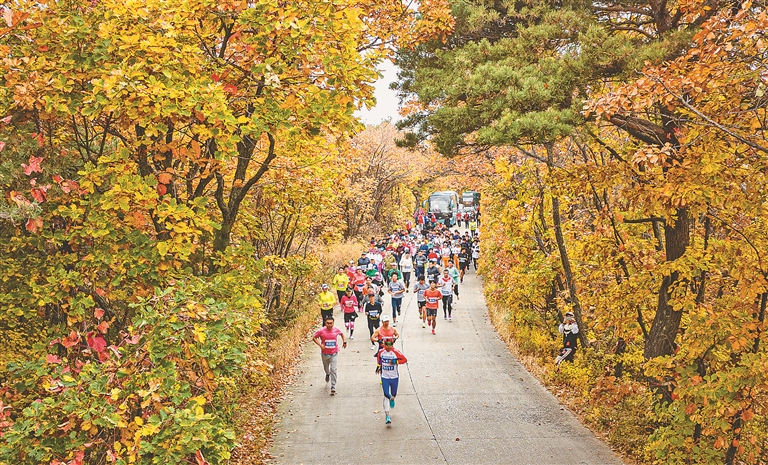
(462, 399)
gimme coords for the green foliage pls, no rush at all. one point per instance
(145, 397)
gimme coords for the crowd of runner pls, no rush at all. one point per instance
(431, 263)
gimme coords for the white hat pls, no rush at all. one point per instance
(384, 318)
(325, 286)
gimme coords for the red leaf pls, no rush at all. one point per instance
(39, 194)
(50, 358)
(161, 189)
(78, 460)
(57, 178)
(98, 313)
(200, 459)
(133, 339)
(215, 77)
(33, 224)
(230, 89)
(42, 48)
(33, 166)
(97, 342)
(2, 145)
(71, 340)
(103, 326)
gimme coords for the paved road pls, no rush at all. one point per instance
(463, 399)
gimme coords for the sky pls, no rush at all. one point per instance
(386, 99)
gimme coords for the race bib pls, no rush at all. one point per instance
(330, 344)
(388, 367)
(374, 314)
(432, 300)
(421, 292)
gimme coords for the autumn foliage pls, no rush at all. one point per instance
(629, 187)
(163, 170)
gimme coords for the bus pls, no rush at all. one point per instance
(444, 205)
(470, 199)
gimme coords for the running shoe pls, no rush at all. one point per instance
(351, 337)
(373, 346)
(450, 319)
(445, 317)
(433, 332)
(333, 390)
(423, 325)
(394, 324)
(389, 420)
(391, 402)
(327, 377)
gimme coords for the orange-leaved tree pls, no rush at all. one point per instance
(133, 136)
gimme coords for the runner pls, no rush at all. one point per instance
(387, 360)
(350, 306)
(463, 263)
(432, 297)
(363, 261)
(454, 274)
(445, 283)
(340, 282)
(327, 300)
(358, 283)
(433, 272)
(327, 338)
(406, 266)
(385, 332)
(396, 289)
(419, 289)
(475, 253)
(420, 262)
(472, 227)
(373, 311)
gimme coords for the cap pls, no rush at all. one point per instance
(351, 262)
(325, 286)
(349, 289)
(384, 318)
(388, 342)
(568, 313)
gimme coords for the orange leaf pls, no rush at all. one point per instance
(164, 177)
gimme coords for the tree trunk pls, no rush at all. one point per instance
(666, 323)
(564, 260)
(566, 263)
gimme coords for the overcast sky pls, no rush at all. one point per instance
(386, 99)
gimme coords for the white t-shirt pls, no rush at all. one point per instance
(446, 285)
(406, 264)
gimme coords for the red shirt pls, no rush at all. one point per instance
(433, 297)
(349, 303)
(328, 339)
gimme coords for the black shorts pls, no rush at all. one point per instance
(349, 317)
(431, 312)
(422, 303)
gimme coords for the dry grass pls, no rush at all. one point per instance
(340, 255)
(259, 405)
